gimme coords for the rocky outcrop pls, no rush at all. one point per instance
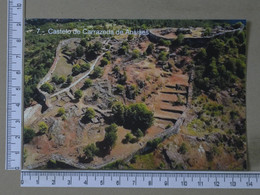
(55, 132)
(31, 114)
(173, 158)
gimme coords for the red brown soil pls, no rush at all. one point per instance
(144, 70)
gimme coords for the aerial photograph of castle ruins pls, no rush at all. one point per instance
(135, 94)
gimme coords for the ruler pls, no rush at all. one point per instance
(14, 84)
(141, 179)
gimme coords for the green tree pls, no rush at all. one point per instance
(111, 128)
(58, 80)
(87, 83)
(122, 78)
(179, 39)
(116, 69)
(97, 46)
(163, 56)
(43, 127)
(130, 37)
(134, 140)
(61, 111)
(238, 25)
(215, 48)
(55, 79)
(154, 143)
(161, 41)
(208, 31)
(123, 50)
(78, 94)
(84, 67)
(90, 114)
(69, 79)
(118, 110)
(128, 137)
(167, 43)
(241, 37)
(164, 42)
(91, 53)
(111, 135)
(76, 69)
(104, 61)
(124, 43)
(107, 55)
(139, 133)
(231, 64)
(79, 51)
(150, 49)
(231, 43)
(98, 72)
(241, 68)
(213, 71)
(83, 42)
(183, 149)
(73, 56)
(131, 91)
(135, 54)
(62, 79)
(119, 89)
(47, 87)
(28, 135)
(206, 83)
(138, 116)
(90, 151)
(202, 55)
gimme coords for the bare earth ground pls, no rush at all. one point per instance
(68, 138)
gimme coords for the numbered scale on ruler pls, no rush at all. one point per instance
(141, 179)
(14, 84)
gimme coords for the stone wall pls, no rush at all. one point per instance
(192, 41)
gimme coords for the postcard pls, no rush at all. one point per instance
(135, 94)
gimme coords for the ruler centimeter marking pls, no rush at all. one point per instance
(141, 179)
(14, 84)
